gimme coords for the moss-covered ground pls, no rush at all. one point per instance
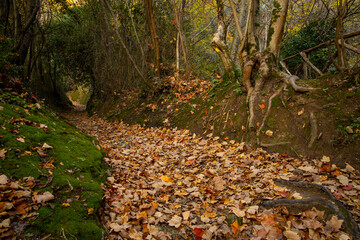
(71, 169)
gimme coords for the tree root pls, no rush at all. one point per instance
(273, 144)
(268, 110)
(314, 129)
(291, 79)
(316, 196)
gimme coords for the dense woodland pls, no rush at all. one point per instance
(115, 45)
(201, 90)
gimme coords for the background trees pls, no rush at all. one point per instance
(59, 43)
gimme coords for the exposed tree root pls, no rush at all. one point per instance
(316, 196)
(273, 144)
(314, 129)
(291, 79)
(268, 110)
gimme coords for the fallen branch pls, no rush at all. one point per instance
(303, 55)
(349, 35)
(352, 48)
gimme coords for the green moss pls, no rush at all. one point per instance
(79, 171)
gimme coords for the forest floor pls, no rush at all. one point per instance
(168, 183)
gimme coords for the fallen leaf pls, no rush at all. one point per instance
(46, 146)
(219, 183)
(175, 221)
(20, 139)
(269, 133)
(335, 223)
(44, 197)
(2, 153)
(325, 159)
(65, 204)
(186, 215)
(343, 180)
(235, 227)
(198, 233)
(5, 223)
(3, 179)
(253, 209)
(90, 211)
(238, 212)
(301, 112)
(262, 106)
(291, 235)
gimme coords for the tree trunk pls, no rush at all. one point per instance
(180, 39)
(218, 41)
(154, 37)
(26, 35)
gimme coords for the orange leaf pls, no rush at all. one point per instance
(258, 124)
(206, 112)
(262, 106)
(235, 227)
(143, 214)
(231, 123)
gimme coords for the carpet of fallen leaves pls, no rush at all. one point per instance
(171, 184)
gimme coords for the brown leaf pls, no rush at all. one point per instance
(219, 183)
(44, 197)
(335, 223)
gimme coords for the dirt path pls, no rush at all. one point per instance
(169, 183)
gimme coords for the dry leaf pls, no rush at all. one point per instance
(325, 159)
(343, 180)
(5, 223)
(175, 221)
(301, 112)
(253, 209)
(2, 153)
(238, 212)
(44, 197)
(291, 235)
(335, 223)
(20, 139)
(3, 179)
(269, 133)
(219, 183)
(186, 215)
(46, 146)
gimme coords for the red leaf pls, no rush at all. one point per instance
(348, 187)
(198, 233)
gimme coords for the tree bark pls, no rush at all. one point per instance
(154, 37)
(218, 41)
(276, 28)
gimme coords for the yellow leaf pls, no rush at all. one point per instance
(143, 214)
(65, 205)
(90, 211)
(166, 179)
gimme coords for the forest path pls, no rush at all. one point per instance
(169, 183)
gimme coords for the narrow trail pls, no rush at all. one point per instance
(171, 184)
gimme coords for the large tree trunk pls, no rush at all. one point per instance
(259, 68)
(218, 41)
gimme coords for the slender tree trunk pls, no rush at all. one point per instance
(218, 41)
(154, 36)
(180, 40)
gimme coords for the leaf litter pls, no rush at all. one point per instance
(171, 184)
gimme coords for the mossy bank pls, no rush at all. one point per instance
(70, 167)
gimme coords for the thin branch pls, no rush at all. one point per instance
(124, 46)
